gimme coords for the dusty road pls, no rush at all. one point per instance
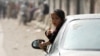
(17, 38)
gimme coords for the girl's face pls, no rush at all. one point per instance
(55, 19)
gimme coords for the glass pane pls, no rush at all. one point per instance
(82, 34)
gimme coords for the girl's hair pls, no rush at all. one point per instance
(60, 13)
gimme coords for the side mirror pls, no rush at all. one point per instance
(35, 43)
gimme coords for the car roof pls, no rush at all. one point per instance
(82, 16)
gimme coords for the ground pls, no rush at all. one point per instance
(17, 38)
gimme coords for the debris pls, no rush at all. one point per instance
(38, 30)
(28, 30)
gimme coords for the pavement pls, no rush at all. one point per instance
(2, 51)
(41, 25)
(15, 39)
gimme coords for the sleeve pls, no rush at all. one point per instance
(48, 36)
(52, 37)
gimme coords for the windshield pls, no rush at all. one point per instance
(82, 34)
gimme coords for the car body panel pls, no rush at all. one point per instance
(79, 53)
(57, 50)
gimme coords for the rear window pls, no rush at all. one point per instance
(82, 34)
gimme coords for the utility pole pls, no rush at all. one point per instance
(68, 6)
(92, 6)
(78, 7)
(60, 4)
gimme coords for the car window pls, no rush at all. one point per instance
(82, 34)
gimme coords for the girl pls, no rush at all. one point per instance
(58, 18)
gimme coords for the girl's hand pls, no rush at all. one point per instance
(48, 32)
(42, 45)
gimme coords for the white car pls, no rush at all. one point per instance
(79, 36)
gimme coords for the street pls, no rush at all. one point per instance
(17, 38)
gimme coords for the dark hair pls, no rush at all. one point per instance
(60, 13)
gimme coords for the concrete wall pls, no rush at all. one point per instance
(73, 7)
(97, 6)
(84, 6)
(64, 6)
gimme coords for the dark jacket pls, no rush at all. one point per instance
(53, 35)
